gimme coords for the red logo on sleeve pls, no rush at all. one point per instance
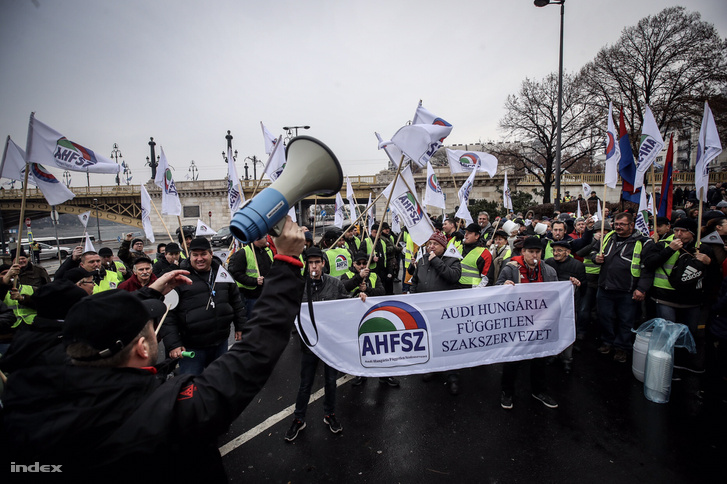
(187, 392)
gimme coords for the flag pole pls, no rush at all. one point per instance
(386, 207)
(18, 245)
(603, 217)
(315, 215)
(184, 239)
(359, 217)
(699, 220)
(160, 218)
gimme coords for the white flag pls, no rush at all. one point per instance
(276, 163)
(464, 197)
(506, 198)
(613, 152)
(433, 195)
(203, 229)
(708, 148)
(13, 166)
(391, 150)
(49, 146)
(224, 276)
(146, 214)
(351, 199)
(641, 220)
(293, 217)
(419, 141)
(579, 214)
(599, 216)
(452, 252)
(269, 139)
(222, 255)
(651, 145)
(405, 202)
(235, 195)
(395, 222)
(461, 161)
(650, 206)
(171, 205)
(84, 218)
(338, 216)
(87, 245)
(586, 190)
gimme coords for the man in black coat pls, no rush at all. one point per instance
(201, 321)
(111, 416)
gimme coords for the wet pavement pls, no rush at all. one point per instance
(604, 430)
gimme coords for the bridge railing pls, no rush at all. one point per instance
(105, 191)
(681, 178)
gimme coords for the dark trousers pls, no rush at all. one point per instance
(308, 366)
(617, 312)
(537, 375)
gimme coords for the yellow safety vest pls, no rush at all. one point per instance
(339, 261)
(110, 281)
(372, 277)
(636, 258)
(471, 276)
(22, 313)
(251, 269)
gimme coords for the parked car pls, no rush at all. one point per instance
(51, 252)
(223, 238)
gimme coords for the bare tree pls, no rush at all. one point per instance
(673, 61)
(532, 120)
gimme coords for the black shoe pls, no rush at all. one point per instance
(604, 349)
(292, 432)
(332, 423)
(506, 401)
(620, 356)
(389, 380)
(546, 400)
(358, 380)
(428, 376)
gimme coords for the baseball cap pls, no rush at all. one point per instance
(200, 243)
(108, 321)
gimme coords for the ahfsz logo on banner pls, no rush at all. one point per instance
(393, 333)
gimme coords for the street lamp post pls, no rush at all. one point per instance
(116, 154)
(290, 129)
(66, 178)
(153, 163)
(194, 171)
(254, 161)
(98, 226)
(543, 3)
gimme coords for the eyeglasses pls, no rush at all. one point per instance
(86, 282)
(620, 224)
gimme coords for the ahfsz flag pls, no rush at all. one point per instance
(667, 189)
(14, 164)
(84, 218)
(49, 146)
(270, 140)
(613, 152)
(276, 163)
(171, 205)
(146, 214)
(235, 195)
(461, 161)
(464, 197)
(338, 216)
(651, 145)
(506, 198)
(403, 199)
(433, 195)
(626, 165)
(708, 148)
(203, 229)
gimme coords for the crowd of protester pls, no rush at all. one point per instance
(621, 277)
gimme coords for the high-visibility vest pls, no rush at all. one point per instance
(635, 259)
(456, 243)
(339, 261)
(110, 281)
(661, 275)
(410, 252)
(22, 314)
(505, 255)
(471, 276)
(370, 249)
(372, 278)
(251, 269)
(591, 266)
(549, 250)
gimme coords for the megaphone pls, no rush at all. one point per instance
(310, 168)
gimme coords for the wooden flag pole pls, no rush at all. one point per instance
(184, 239)
(386, 207)
(359, 217)
(160, 218)
(19, 245)
(603, 217)
(315, 216)
(699, 220)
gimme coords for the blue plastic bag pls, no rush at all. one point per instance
(665, 336)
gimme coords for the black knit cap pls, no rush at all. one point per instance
(686, 224)
(54, 300)
(109, 320)
(532, 243)
(105, 252)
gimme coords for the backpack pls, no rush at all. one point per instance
(688, 273)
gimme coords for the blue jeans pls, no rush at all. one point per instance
(308, 365)
(616, 313)
(249, 306)
(202, 358)
(686, 316)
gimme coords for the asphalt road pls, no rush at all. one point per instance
(604, 430)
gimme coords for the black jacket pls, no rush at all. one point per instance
(238, 270)
(115, 424)
(196, 324)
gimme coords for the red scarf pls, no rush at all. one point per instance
(526, 273)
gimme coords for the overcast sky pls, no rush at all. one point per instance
(185, 72)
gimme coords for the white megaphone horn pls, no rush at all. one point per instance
(310, 168)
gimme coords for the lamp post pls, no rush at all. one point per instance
(127, 173)
(116, 154)
(194, 171)
(66, 178)
(98, 227)
(543, 3)
(254, 161)
(153, 162)
(290, 129)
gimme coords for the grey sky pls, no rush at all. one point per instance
(184, 72)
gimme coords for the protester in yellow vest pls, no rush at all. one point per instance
(244, 266)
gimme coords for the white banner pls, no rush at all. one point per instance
(84, 218)
(418, 333)
(146, 214)
(433, 195)
(465, 161)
